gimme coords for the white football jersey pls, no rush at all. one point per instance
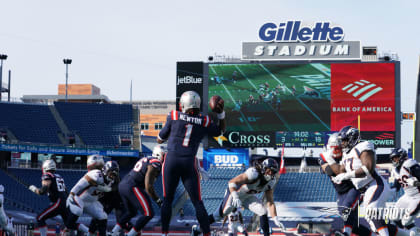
(256, 186)
(403, 174)
(87, 192)
(233, 217)
(351, 161)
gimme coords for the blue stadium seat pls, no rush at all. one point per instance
(29, 122)
(97, 124)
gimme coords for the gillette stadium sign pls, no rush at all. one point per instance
(294, 41)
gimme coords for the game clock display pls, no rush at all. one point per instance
(301, 139)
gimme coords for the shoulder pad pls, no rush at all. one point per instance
(174, 115)
(252, 173)
(96, 175)
(47, 176)
(409, 163)
(365, 146)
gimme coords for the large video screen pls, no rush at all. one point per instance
(298, 105)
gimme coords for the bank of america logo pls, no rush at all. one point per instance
(362, 89)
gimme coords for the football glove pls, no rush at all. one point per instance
(204, 174)
(236, 202)
(343, 176)
(33, 188)
(276, 220)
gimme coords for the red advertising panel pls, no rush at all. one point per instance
(366, 90)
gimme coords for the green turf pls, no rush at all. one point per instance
(295, 113)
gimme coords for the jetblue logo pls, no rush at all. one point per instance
(362, 89)
(292, 31)
(189, 80)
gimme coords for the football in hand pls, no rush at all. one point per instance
(216, 104)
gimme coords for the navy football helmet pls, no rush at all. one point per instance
(111, 170)
(271, 164)
(398, 156)
(349, 137)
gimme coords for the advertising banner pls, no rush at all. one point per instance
(364, 91)
(222, 157)
(189, 76)
(68, 150)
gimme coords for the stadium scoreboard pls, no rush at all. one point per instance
(298, 103)
(301, 139)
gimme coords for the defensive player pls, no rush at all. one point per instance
(109, 200)
(236, 223)
(52, 185)
(3, 218)
(348, 197)
(242, 191)
(83, 197)
(407, 175)
(358, 164)
(136, 189)
(184, 131)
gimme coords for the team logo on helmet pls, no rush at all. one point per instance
(349, 137)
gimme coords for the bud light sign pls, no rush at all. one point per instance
(222, 157)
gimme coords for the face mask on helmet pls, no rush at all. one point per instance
(398, 156)
(111, 170)
(270, 168)
(349, 137)
(334, 144)
(48, 165)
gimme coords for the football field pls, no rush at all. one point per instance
(273, 97)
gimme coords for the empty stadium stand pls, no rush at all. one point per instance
(29, 123)
(97, 124)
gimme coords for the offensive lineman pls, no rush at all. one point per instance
(242, 191)
(348, 197)
(3, 218)
(407, 175)
(83, 197)
(358, 165)
(184, 132)
(109, 200)
(136, 189)
(52, 185)
(236, 223)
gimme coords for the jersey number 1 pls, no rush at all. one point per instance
(187, 136)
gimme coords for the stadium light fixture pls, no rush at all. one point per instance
(2, 58)
(67, 62)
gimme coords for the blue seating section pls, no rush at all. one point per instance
(33, 177)
(30, 123)
(18, 193)
(97, 124)
(292, 187)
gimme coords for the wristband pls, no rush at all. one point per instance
(221, 116)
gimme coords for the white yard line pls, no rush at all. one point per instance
(233, 100)
(297, 98)
(256, 89)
